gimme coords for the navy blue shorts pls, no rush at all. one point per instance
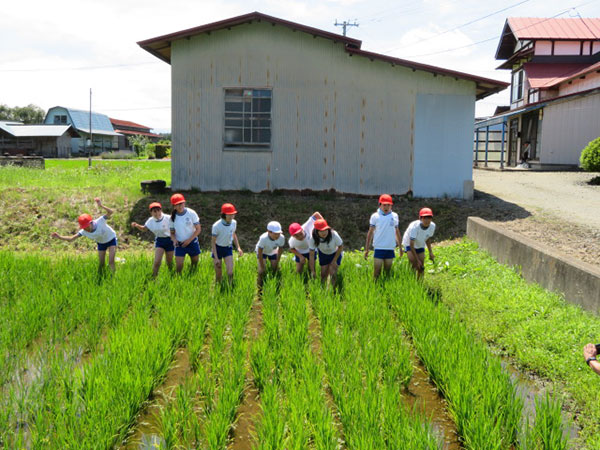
(306, 255)
(223, 252)
(325, 259)
(164, 242)
(384, 254)
(192, 249)
(271, 257)
(104, 247)
(418, 250)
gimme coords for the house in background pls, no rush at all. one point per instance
(261, 103)
(126, 128)
(104, 136)
(43, 140)
(555, 93)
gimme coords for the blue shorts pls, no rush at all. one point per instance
(306, 255)
(384, 254)
(164, 242)
(418, 250)
(104, 247)
(325, 259)
(223, 252)
(271, 257)
(192, 249)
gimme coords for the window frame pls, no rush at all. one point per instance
(244, 116)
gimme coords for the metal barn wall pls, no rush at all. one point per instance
(567, 127)
(339, 121)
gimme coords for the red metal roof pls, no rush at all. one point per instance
(584, 71)
(126, 123)
(135, 133)
(547, 75)
(545, 28)
(161, 48)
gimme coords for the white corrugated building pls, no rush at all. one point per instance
(261, 103)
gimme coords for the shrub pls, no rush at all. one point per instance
(161, 150)
(150, 150)
(590, 156)
(121, 154)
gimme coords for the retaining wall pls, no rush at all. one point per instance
(578, 281)
(34, 162)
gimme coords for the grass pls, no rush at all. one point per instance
(537, 329)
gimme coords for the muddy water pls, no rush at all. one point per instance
(248, 412)
(422, 394)
(146, 433)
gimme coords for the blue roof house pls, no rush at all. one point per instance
(103, 134)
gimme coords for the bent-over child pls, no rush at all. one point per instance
(329, 245)
(269, 246)
(158, 224)
(416, 237)
(298, 242)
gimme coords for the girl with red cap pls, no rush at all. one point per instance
(223, 236)
(298, 242)
(184, 226)
(158, 224)
(329, 245)
(383, 225)
(416, 237)
(99, 231)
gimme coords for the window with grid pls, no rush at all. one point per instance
(247, 118)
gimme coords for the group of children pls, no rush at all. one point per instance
(315, 239)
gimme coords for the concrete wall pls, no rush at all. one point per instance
(338, 121)
(579, 282)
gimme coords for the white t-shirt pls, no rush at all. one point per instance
(416, 236)
(223, 231)
(184, 224)
(268, 245)
(327, 248)
(102, 233)
(385, 229)
(302, 245)
(159, 227)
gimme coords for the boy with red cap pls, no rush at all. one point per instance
(99, 231)
(158, 224)
(223, 235)
(298, 242)
(416, 237)
(185, 228)
(329, 245)
(383, 225)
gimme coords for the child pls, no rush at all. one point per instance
(417, 235)
(223, 235)
(163, 245)
(185, 228)
(269, 246)
(298, 242)
(328, 243)
(384, 226)
(99, 231)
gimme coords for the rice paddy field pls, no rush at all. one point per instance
(472, 357)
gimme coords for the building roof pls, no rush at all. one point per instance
(81, 121)
(161, 48)
(546, 75)
(584, 71)
(20, 130)
(537, 28)
(135, 133)
(127, 123)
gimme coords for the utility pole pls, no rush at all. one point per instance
(344, 25)
(91, 137)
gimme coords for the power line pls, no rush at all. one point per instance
(60, 69)
(500, 35)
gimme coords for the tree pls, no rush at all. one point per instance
(30, 114)
(590, 156)
(138, 142)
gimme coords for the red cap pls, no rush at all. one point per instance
(295, 228)
(155, 205)
(425, 212)
(228, 208)
(321, 225)
(84, 220)
(176, 199)
(385, 199)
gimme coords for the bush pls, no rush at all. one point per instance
(590, 156)
(121, 154)
(161, 150)
(150, 150)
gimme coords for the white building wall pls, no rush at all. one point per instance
(567, 127)
(339, 121)
(591, 81)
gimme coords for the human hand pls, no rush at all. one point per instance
(54, 234)
(186, 243)
(589, 351)
(98, 201)
(240, 252)
(301, 259)
(133, 224)
(366, 254)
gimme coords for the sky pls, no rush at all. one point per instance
(53, 53)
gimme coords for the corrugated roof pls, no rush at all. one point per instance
(35, 130)
(134, 133)
(81, 121)
(161, 48)
(582, 72)
(546, 75)
(546, 28)
(127, 123)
